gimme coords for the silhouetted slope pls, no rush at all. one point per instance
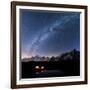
(68, 64)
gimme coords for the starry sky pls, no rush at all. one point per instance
(47, 33)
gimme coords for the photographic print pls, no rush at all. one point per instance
(48, 44)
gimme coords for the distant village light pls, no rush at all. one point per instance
(37, 67)
(42, 67)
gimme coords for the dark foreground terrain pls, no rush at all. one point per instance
(68, 64)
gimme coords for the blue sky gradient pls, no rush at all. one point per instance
(46, 33)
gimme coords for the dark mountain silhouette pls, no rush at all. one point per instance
(67, 64)
(74, 54)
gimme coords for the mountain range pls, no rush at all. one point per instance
(71, 55)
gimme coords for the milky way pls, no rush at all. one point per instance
(48, 33)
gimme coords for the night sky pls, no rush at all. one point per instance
(46, 33)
